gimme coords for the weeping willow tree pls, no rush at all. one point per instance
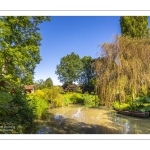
(123, 69)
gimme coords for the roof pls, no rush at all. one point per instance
(29, 87)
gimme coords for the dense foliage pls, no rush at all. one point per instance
(87, 76)
(72, 68)
(123, 69)
(15, 110)
(70, 87)
(19, 54)
(131, 54)
(86, 99)
(56, 97)
(53, 96)
(36, 100)
(19, 46)
(134, 26)
(141, 104)
(69, 69)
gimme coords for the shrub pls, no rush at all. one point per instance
(79, 90)
(59, 88)
(70, 87)
(15, 110)
(39, 93)
(145, 108)
(66, 101)
(92, 93)
(125, 106)
(66, 98)
(116, 105)
(88, 88)
(58, 101)
(39, 104)
(128, 99)
(76, 98)
(62, 92)
(53, 96)
(88, 100)
(122, 106)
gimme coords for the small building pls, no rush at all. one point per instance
(29, 88)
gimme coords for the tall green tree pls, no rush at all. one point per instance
(87, 76)
(69, 69)
(134, 26)
(20, 45)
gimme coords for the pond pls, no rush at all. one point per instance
(76, 119)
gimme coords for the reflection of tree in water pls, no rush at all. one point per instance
(131, 125)
(124, 123)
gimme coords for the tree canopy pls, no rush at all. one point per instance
(19, 45)
(123, 69)
(87, 73)
(134, 26)
(69, 69)
(87, 76)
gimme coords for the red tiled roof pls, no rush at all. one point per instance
(29, 87)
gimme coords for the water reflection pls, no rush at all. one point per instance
(79, 120)
(131, 125)
(77, 114)
(124, 123)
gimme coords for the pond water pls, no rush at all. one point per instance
(76, 119)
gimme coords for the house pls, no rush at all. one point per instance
(29, 88)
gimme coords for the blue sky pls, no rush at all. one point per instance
(78, 34)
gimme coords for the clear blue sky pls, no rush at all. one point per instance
(78, 34)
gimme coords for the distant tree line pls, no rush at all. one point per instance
(41, 84)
